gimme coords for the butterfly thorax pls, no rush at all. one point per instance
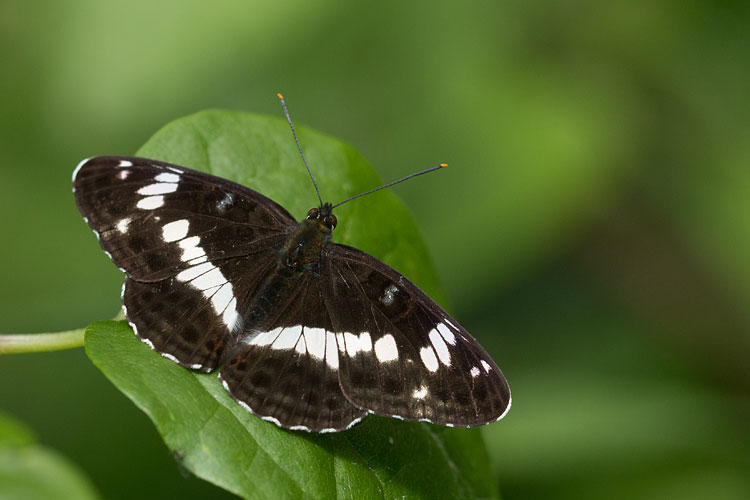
(304, 247)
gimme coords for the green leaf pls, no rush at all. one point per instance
(218, 440)
(30, 471)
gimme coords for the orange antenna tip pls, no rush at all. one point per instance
(443, 165)
(278, 94)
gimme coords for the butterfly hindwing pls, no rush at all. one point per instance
(285, 368)
(193, 317)
(402, 355)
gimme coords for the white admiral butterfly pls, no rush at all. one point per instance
(306, 333)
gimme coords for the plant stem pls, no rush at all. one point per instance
(40, 342)
(14, 343)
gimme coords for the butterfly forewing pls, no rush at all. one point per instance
(401, 354)
(155, 219)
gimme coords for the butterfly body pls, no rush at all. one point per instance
(305, 247)
(304, 332)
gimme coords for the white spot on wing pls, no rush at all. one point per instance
(428, 358)
(440, 347)
(385, 348)
(365, 342)
(221, 299)
(446, 334)
(158, 188)
(122, 226)
(420, 393)
(231, 317)
(124, 307)
(245, 406)
(356, 421)
(389, 294)
(225, 202)
(167, 177)
(150, 202)
(288, 338)
(271, 419)
(263, 338)
(169, 357)
(301, 346)
(486, 366)
(123, 174)
(190, 248)
(474, 371)
(356, 344)
(125, 163)
(195, 271)
(332, 355)
(507, 409)
(211, 279)
(78, 167)
(224, 383)
(299, 428)
(352, 342)
(315, 338)
(176, 230)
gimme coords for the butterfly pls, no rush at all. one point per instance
(306, 333)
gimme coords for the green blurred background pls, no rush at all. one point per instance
(593, 230)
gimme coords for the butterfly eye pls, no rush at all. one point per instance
(331, 221)
(312, 213)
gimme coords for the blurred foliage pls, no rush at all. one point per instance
(28, 471)
(593, 229)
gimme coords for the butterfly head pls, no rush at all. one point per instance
(323, 216)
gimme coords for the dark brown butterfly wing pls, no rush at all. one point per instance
(401, 354)
(195, 248)
(286, 367)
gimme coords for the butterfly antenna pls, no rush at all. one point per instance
(291, 125)
(436, 167)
